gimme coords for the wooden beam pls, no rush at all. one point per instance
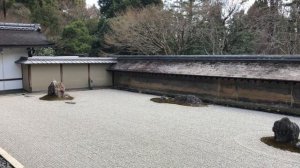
(89, 76)
(29, 78)
(61, 72)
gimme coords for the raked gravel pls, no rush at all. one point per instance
(112, 128)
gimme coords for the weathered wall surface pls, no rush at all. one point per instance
(26, 77)
(42, 75)
(275, 96)
(100, 76)
(296, 96)
(74, 76)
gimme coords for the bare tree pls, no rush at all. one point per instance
(192, 27)
(274, 28)
(149, 31)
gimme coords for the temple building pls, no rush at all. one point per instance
(17, 40)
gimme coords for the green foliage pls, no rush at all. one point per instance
(48, 16)
(6, 4)
(45, 52)
(93, 27)
(240, 39)
(36, 4)
(109, 8)
(54, 15)
(76, 38)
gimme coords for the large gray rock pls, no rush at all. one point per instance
(188, 100)
(56, 89)
(286, 131)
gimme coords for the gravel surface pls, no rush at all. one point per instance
(112, 128)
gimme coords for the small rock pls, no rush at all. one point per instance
(28, 96)
(164, 98)
(285, 131)
(70, 102)
(188, 99)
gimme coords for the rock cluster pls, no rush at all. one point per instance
(56, 89)
(188, 100)
(286, 131)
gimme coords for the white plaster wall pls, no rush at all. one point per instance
(9, 69)
(1, 85)
(1, 70)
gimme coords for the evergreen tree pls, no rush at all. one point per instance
(109, 8)
(76, 39)
(49, 17)
(240, 38)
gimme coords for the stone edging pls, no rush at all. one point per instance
(10, 159)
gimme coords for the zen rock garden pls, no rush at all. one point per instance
(185, 100)
(56, 91)
(286, 135)
(286, 132)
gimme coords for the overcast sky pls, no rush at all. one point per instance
(92, 2)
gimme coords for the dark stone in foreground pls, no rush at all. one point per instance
(4, 163)
(188, 100)
(285, 131)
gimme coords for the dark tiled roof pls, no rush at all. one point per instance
(251, 58)
(66, 60)
(273, 69)
(27, 35)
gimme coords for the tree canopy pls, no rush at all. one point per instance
(109, 8)
(153, 27)
(76, 38)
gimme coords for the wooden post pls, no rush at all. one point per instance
(292, 92)
(219, 87)
(29, 78)
(61, 73)
(113, 79)
(89, 76)
(236, 83)
(22, 71)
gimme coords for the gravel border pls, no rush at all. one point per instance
(7, 161)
